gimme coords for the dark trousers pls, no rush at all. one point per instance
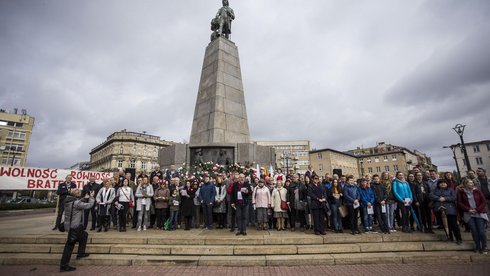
(231, 218)
(405, 216)
(477, 227)
(68, 250)
(123, 215)
(135, 216)
(220, 219)
(353, 215)
(292, 217)
(104, 221)
(425, 216)
(197, 216)
(452, 223)
(93, 213)
(318, 220)
(61, 209)
(161, 215)
(242, 217)
(187, 222)
(207, 210)
(113, 215)
(381, 218)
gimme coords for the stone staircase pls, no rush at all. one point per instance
(221, 248)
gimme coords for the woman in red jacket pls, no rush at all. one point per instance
(472, 203)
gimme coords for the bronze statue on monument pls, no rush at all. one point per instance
(221, 23)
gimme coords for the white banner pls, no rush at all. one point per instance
(24, 178)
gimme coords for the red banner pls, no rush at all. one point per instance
(24, 178)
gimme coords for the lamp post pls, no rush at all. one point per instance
(459, 129)
(453, 149)
(287, 157)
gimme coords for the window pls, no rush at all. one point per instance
(464, 162)
(4, 161)
(320, 167)
(376, 159)
(387, 168)
(395, 168)
(479, 161)
(16, 135)
(143, 165)
(385, 158)
(15, 147)
(393, 157)
(370, 170)
(369, 160)
(319, 156)
(121, 150)
(119, 163)
(14, 124)
(476, 148)
(378, 169)
(132, 164)
(488, 147)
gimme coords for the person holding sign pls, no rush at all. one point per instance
(352, 199)
(404, 197)
(367, 204)
(240, 200)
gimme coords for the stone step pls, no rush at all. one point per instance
(242, 250)
(258, 260)
(198, 238)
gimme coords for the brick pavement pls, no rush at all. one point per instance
(364, 270)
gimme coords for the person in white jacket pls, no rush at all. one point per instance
(261, 200)
(220, 202)
(144, 193)
(104, 199)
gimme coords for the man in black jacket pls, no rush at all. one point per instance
(421, 194)
(380, 200)
(240, 200)
(63, 191)
(89, 187)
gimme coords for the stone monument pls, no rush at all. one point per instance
(220, 131)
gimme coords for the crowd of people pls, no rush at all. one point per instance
(420, 201)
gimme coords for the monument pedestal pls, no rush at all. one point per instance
(220, 132)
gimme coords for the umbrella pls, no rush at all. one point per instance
(415, 217)
(444, 220)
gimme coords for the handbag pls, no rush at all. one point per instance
(284, 204)
(343, 211)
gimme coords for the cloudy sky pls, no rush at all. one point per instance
(339, 73)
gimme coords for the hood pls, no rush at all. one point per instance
(69, 199)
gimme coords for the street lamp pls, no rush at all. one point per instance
(453, 149)
(287, 157)
(459, 129)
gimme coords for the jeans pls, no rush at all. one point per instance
(207, 210)
(242, 217)
(391, 215)
(477, 227)
(68, 250)
(143, 213)
(367, 219)
(174, 215)
(334, 209)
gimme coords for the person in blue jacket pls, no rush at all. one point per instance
(207, 194)
(351, 199)
(367, 205)
(404, 197)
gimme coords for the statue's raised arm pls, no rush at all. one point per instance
(221, 24)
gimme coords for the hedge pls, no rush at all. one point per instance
(25, 206)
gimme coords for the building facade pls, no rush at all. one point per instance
(390, 158)
(15, 136)
(478, 154)
(331, 161)
(124, 149)
(290, 155)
